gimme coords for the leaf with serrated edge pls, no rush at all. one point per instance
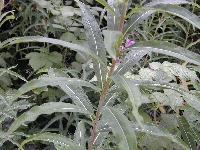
(46, 108)
(134, 95)
(95, 42)
(52, 81)
(121, 128)
(57, 139)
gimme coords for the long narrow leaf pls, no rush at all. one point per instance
(180, 12)
(134, 95)
(167, 49)
(130, 60)
(80, 134)
(52, 81)
(112, 20)
(72, 46)
(78, 96)
(139, 17)
(159, 131)
(47, 108)
(57, 139)
(95, 41)
(120, 127)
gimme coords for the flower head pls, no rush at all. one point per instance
(129, 42)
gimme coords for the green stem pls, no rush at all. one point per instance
(106, 86)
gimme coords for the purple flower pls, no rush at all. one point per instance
(129, 42)
(118, 59)
(122, 47)
(150, 68)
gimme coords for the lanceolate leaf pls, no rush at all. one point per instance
(185, 132)
(167, 49)
(130, 60)
(112, 21)
(95, 41)
(138, 18)
(72, 46)
(57, 139)
(78, 96)
(181, 12)
(52, 81)
(121, 128)
(134, 95)
(159, 131)
(47, 108)
(80, 134)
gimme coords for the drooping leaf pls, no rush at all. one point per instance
(130, 60)
(134, 95)
(46, 108)
(72, 46)
(167, 49)
(139, 17)
(110, 38)
(57, 139)
(159, 131)
(180, 12)
(120, 127)
(80, 134)
(95, 41)
(52, 81)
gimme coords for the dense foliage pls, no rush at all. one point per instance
(115, 74)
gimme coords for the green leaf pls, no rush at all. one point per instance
(130, 60)
(55, 57)
(167, 49)
(110, 38)
(159, 131)
(72, 46)
(180, 12)
(78, 96)
(185, 132)
(139, 17)
(134, 95)
(95, 41)
(112, 20)
(59, 140)
(108, 7)
(7, 17)
(80, 134)
(52, 81)
(121, 128)
(46, 108)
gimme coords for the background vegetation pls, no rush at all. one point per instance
(115, 74)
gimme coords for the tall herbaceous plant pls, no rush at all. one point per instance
(133, 83)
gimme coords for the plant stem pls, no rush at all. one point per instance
(106, 86)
